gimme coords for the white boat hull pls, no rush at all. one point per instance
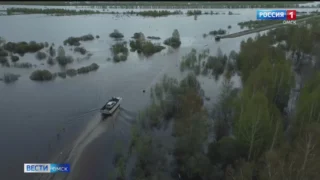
(111, 111)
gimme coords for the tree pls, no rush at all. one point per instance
(61, 52)
(176, 34)
(222, 110)
(253, 127)
(308, 108)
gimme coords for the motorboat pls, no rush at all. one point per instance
(111, 106)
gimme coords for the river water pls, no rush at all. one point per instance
(41, 121)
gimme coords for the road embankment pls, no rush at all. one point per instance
(242, 33)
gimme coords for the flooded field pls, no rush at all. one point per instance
(40, 120)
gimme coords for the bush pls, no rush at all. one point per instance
(52, 51)
(153, 37)
(22, 65)
(116, 34)
(41, 75)
(64, 60)
(62, 75)
(81, 50)
(3, 53)
(14, 58)
(9, 78)
(146, 47)
(120, 48)
(97, 36)
(229, 27)
(173, 42)
(218, 32)
(75, 41)
(51, 61)
(119, 57)
(23, 47)
(87, 69)
(137, 35)
(41, 55)
(4, 61)
(71, 72)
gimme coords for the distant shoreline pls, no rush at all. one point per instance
(159, 5)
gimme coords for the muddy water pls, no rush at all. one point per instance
(38, 121)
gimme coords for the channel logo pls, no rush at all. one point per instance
(276, 15)
(46, 168)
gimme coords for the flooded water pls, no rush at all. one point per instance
(40, 122)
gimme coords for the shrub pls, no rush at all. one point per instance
(218, 32)
(41, 55)
(51, 61)
(81, 50)
(116, 34)
(41, 75)
(146, 47)
(64, 60)
(153, 37)
(137, 35)
(52, 51)
(119, 57)
(173, 42)
(229, 27)
(87, 69)
(14, 58)
(75, 41)
(4, 61)
(120, 47)
(22, 65)
(71, 72)
(62, 75)
(9, 77)
(3, 53)
(23, 47)
(97, 36)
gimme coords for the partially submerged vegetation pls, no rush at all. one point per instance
(13, 11)
(23, 47)
(62, 59)
(202, 63)
(75, 41)
(9, 77)
(41, 75)
(257, 132)
(4, 61)
(194, 12)
(87, 69)
(120, 51)
(22, 65)
(174, 40)
(141, 45)
(116, 34)
(218, 32)
(154, 37)
(41, 55)
(81, 50)
(155, 13)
